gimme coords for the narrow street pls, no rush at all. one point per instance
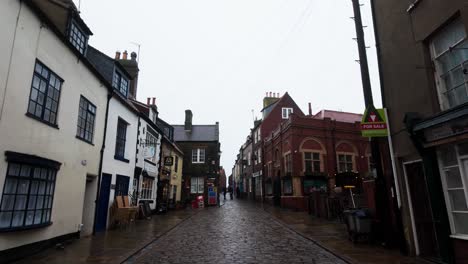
(238, 232)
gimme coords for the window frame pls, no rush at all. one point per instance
(198, 155)
(195, 184)
(288, 163)
(55, 98)
(147, 187)
(89, 114)
(47, 196)
(312, 161)
(73, 41)
(442, 90)
(123, 140)
(286, 112)
(346, 162)
(284, 190)
(117, 82)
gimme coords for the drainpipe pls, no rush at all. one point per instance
(109, 96)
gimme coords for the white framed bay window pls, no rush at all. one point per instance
(449, 50)
(453, 164)
(197, 185)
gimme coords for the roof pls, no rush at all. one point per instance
(345, 117)
(198, 133)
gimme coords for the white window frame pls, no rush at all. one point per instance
(197, 185)
(147, 187)
(198, 155)
(464, 178)
(286, 112)
(442, 92)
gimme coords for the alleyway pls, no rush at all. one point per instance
(238, 232)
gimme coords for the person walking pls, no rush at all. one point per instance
(230, 190)
(224, 193)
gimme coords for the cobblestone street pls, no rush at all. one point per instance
(238, 232)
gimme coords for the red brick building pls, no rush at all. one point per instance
(307, 153)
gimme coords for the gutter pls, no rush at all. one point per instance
(109, 96)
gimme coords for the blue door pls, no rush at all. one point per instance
(121, 185)
(103, 204)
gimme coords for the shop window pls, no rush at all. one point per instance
(287, 186)
(197, 185)
(345, 163)
(311, 162)
(450, 56)
(27, 196)
(454, 171)
(147, 188)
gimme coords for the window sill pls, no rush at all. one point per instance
(193, 162)
(84, 140)
(42, 121)
(122, 159)
(13, 229)
(461, 237)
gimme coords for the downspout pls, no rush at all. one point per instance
(109, 96)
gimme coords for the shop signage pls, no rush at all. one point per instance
(149, 152)
(168, 161)
(150, 168)
(212, 195)
(374, 123)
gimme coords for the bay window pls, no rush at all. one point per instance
(197, 185)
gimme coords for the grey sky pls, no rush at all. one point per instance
(219, 57)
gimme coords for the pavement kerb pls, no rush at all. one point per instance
(158, 237)
(340, 256)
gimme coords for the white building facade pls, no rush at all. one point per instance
(52, 112)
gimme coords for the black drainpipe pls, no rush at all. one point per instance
(109, 96)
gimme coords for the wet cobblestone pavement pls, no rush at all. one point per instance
(238, 232)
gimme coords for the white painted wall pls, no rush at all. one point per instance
(155, 159)
(111, 165)
(22, 134)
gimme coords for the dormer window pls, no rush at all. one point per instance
(120, 83)
(77, 37)
(286, 111)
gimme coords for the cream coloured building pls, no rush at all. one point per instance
(52, 117)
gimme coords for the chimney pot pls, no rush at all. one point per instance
(125, 55)
(148, 101)
(277, 95)
(270, 94)
(133, 55)
(310, 109)
(117, 55)
(154, 100)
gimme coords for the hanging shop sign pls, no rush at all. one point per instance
(168, 161)
(374, 123)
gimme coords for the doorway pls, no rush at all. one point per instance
(103, 204)
(89, 206)
(121, 185)
(420, 208)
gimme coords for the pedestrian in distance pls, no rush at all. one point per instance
(230, 190)
(224, 193)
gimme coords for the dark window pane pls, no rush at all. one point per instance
(7, 202)
(18, 218)
(23, 187)
(10, 186)
(25, 171)
(5, 219)
(38, 217)
(32, 202)
(29, 217)
(40, 202)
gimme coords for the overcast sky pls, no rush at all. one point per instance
(219, 57)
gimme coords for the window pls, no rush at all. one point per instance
(249, 159)
(27, 196)
(151, 142)
(311, 162)
(147, 188)
(287, 186)
(197, 185)
(121, 138)
(198, 155)
(285, 112)
(176, 164)
(269, 188)
(45, 94)
(86, 116)
(259, 156)
(288, 163)
(450, 55)
(120, 83)
(454, 172)
(77, 38)
(345, 163)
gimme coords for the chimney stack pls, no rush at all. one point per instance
(148, 100)
(269, 95)
(117, 55)
(133, 55)
(310, 109)
(188, 121)
(154, 100)
(277, 95)
(125, 55)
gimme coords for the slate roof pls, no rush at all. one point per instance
(198, 133)
(339, 116)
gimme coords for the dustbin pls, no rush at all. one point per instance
(358, 223)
